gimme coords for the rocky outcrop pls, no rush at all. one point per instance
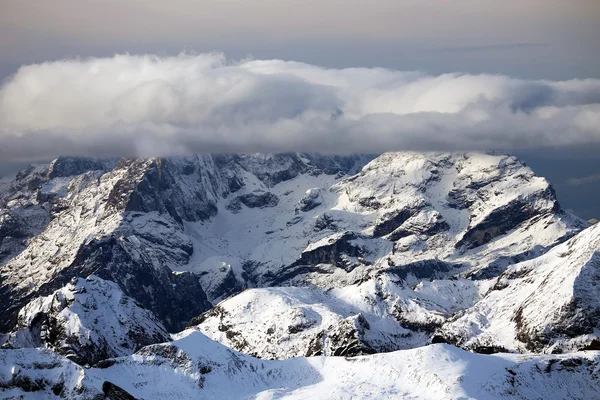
(297, 322)
(508, 217)
(312, 198)
(193, 366)
(163, 229)
(64, 167)
(336, 250)
(253, 200)
(344, 338)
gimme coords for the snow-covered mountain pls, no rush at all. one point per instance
(550, 304)
(293, 255)
(88, 320)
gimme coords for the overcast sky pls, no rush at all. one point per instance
(539, 95)
(554, 39)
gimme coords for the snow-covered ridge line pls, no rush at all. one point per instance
(193, 366)
(411, 216)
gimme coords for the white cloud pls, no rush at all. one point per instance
(149, 105)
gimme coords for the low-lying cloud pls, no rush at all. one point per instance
(156, 106)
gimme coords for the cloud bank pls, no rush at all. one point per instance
(130, 105)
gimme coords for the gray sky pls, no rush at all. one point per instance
(555, 40)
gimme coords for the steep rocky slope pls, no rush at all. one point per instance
(395, 241)
(194, 367)
(550, 304)
(415, 216)
(88, 320)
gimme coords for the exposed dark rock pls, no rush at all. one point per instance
(393, 221)
(254, 200)
(459, 199)
(345, 338)
(370, 202)
(433, 229)
(70, 166)
(489, 349)
(114, 392)
(325, 221)
(311, 199)
(501, 220)
(333, 252)
(425, 269)
(60, 322)
(174, 298)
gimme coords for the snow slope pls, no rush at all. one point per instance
(303, 255)
(549, 304)
(193, 366)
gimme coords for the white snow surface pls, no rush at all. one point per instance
(410, 245)
(276, 237)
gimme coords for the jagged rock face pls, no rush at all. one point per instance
(121, 224)
(88, 320)
(64, 167)
(253, 200)
(410, 249)
(344, 338)
(549, 304)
